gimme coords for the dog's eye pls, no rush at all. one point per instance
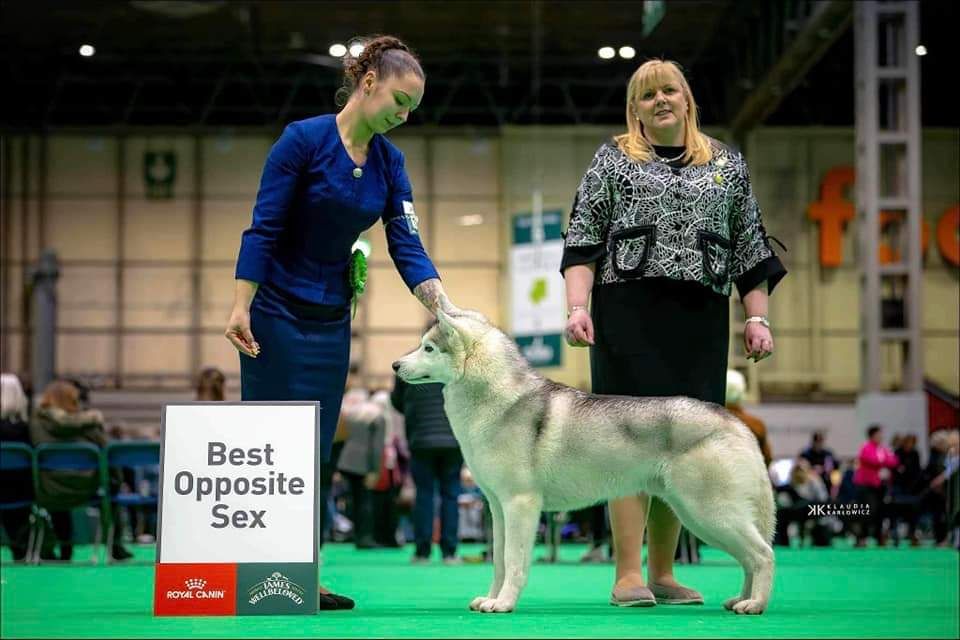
(428, 348)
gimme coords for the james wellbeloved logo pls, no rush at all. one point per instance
(270, 589)
(276, 586)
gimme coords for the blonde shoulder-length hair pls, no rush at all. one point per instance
(633, 143)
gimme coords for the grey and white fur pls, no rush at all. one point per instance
(534, 445)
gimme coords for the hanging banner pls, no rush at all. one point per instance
(537, 288)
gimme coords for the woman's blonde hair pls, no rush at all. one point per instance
(633, 143)
(13, 401)
(61, 394)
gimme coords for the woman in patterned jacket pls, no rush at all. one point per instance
(663, 225)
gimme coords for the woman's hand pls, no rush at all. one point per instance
(239, 334)
(757, 341)
(579, 330)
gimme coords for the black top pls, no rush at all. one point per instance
(422, 409)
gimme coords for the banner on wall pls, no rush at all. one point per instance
(537, 294)
(237, 533)
(159, 174)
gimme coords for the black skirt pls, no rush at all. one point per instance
(660, 337)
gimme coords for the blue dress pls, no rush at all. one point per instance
(312, 205)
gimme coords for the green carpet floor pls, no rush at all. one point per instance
(818, 593)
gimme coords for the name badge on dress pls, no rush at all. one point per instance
(413, 222)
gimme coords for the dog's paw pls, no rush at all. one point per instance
(496, 605)
(729, 602)
(750, 607)
(479, 600)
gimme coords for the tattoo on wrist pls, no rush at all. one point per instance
(430, 294)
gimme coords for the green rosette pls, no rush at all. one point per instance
(358, 276)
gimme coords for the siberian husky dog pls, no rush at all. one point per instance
(534, 445)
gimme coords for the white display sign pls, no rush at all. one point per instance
(239, 482)
(537, 296)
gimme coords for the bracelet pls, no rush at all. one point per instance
(761, 319)
(576, 307)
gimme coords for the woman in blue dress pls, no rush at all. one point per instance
(326, 180)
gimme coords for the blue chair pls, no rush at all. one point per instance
(136, 455)
(72, 456)
(17, 456)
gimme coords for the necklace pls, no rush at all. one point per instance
(669, 160)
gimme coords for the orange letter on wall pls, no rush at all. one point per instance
(832, 211)
(947, 238)
(889, 255)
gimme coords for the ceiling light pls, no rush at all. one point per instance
(87, 50)
(627, 52)
(356, 50)
(337, 50)
(606, 52)
(471, 220)
(921, 50)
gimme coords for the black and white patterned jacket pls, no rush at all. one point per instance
(699, 223)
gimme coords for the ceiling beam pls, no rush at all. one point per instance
(826, 23)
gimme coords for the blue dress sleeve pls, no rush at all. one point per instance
(402, 228)
(278, 185)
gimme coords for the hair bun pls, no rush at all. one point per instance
(373, 57)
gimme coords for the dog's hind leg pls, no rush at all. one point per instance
(744, 542)
(740, 536)
(744, 591)
(521, 514)
(496, 513)
(756, 557)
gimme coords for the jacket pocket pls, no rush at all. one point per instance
(715, 250)
(630, 250)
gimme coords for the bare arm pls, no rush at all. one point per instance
(238, 327)
(757, 339)
(431, 295)
(243, 294)
(578, 281)
(755, 302)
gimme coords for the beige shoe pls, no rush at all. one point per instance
(633, 597)
(675, 595)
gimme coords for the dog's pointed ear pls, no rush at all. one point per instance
(446, 323)
(450, 327)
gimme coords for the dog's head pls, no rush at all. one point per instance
(444, 349)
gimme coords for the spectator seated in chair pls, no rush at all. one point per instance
(60, 418)
(15, 485)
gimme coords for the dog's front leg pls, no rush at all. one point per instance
(520, 517)
(496, 513)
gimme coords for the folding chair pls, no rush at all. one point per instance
(17, 456)
(135, 455)
(72, 456)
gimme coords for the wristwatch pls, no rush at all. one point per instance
(761, 319)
